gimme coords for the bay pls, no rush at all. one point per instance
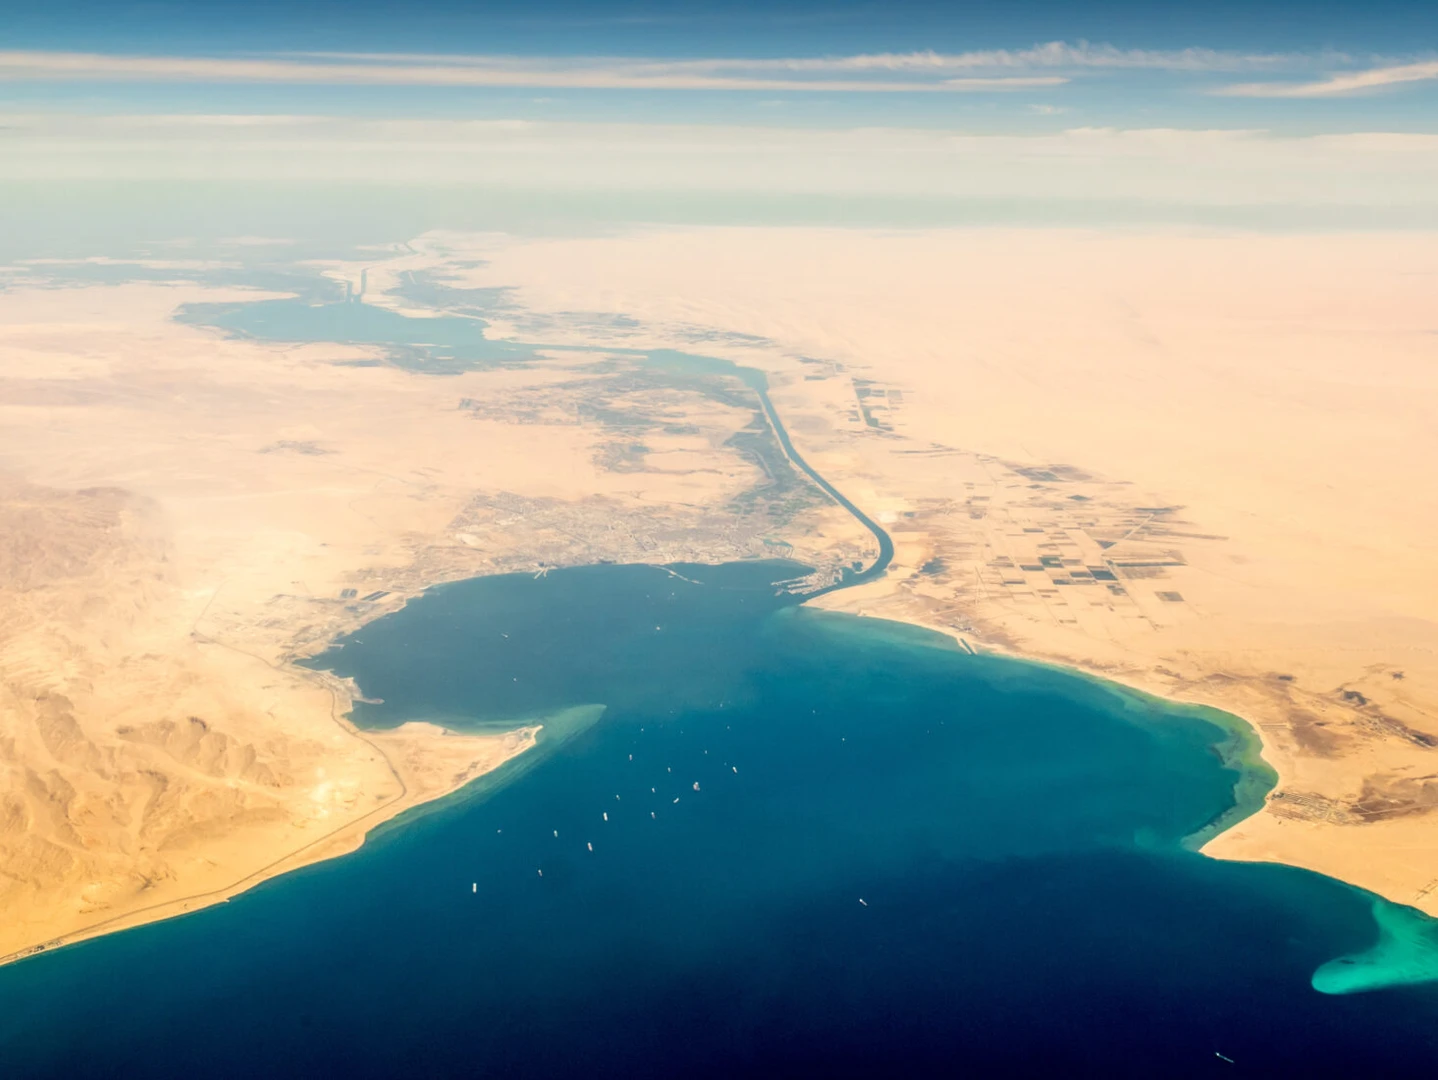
(761, 839)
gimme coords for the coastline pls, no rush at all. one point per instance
(183, 753)
(1280, 579)
(1261, 771)
(1243, 750)
(418, 787)
(1259, 775)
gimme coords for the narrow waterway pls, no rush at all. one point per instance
(886, 544)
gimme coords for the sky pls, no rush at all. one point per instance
(1261, 113)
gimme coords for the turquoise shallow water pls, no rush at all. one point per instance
(1015, 834)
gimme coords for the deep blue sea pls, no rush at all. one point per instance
(834, 846)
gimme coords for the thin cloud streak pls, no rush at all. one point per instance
(1054, 54)
(507, 72)
(1338, 85)
(1048, 56)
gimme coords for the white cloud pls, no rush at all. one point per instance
(1335, 85)
(471, 72)
(1051, 55)
(1042, 65)
(1056, 54)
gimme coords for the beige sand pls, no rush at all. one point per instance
(1198, 464)
(182, 516)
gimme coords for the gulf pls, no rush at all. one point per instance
(759, 839)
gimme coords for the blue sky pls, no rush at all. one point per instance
(707, 28)
(1149, 64)
(1274, 106)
